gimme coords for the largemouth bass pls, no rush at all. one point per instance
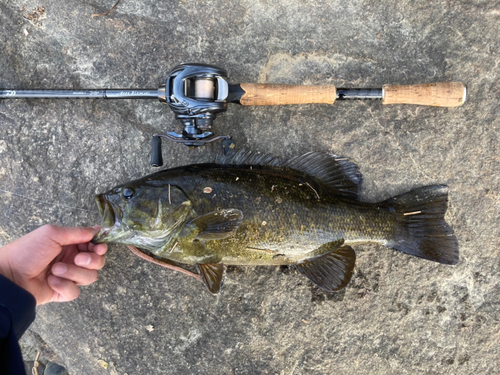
(252, 209)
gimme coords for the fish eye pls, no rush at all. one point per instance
(128, 193)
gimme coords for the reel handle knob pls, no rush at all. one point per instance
(156, 158)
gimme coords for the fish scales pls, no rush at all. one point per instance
(281, 214)
(304, 213)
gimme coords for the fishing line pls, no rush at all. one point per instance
(38, 200)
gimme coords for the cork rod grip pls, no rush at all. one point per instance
(275, 94)
(443, 94)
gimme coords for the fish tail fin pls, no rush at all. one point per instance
(423, 231)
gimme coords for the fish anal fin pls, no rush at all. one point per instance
(212, 275)
(331, 271)
(217, 225)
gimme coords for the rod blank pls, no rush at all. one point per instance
(80, 94)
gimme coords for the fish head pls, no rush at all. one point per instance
(145, 214)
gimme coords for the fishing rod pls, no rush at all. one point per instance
(197, 93)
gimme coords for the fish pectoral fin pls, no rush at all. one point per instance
(217, 225)
(212, 275)
(331, 271)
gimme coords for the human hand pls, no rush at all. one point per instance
(52, 261)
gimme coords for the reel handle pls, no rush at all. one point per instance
(156, 158)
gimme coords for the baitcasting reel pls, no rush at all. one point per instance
(196, 93)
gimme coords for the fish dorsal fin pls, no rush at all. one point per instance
(213, 275)
(336, 172)
(244, 156)
(331, 271)
(341, 175)
(219, 224)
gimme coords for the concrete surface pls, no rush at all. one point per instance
(399, 315)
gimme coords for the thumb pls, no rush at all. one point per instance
(68, 235)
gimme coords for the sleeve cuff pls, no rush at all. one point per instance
(20, 303)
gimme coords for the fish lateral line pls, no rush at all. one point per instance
(264, 250)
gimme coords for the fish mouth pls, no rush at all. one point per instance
(108, 218)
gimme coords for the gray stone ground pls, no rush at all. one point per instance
(399, 315)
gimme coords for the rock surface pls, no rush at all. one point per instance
(399, 315)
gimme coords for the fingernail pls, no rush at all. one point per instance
(96, 228)
(59, 269)
(82, 259)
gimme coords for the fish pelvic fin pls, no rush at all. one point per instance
(331, 271)
(423, 232)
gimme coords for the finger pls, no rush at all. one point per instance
(89, 246)
(79, 275)
(100, 249)
(65, 290)
(67, 255)
(83, 246)
(89, 260)
(68, 235)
